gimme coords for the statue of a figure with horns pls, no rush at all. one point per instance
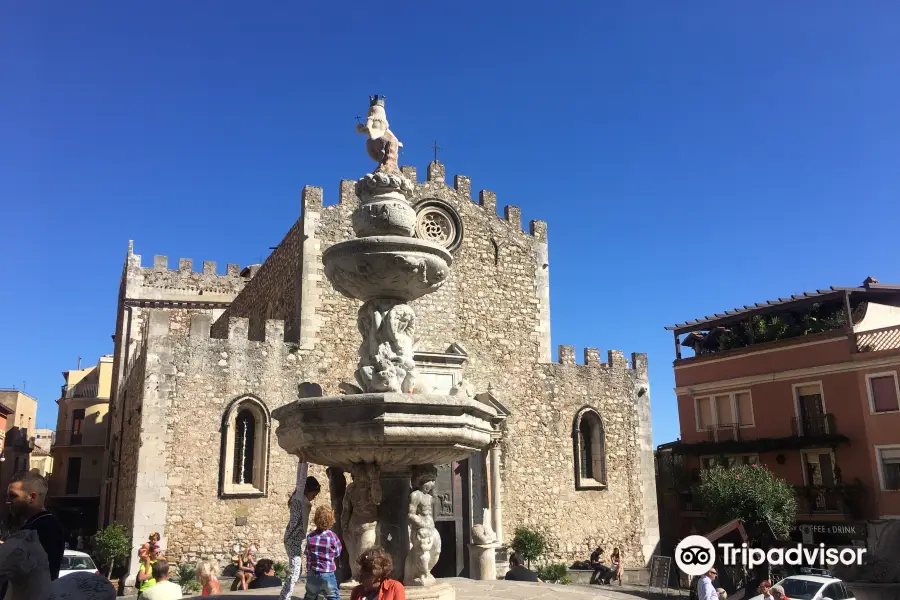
(383, 146)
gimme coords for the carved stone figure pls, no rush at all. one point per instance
(424, 540)
(382, 146)
(25, 570)
(359, 517)
(482, 533)
(386, 355)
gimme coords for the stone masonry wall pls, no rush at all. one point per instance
(495, 305)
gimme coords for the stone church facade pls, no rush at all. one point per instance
(202, 359)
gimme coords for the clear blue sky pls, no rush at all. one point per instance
(688, 158)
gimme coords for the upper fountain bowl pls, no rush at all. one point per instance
(390, 267)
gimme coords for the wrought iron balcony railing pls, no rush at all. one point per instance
(814, 425)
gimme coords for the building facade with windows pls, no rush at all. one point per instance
(18, 434)
(78, 445)
(203, 358)
(808, 386)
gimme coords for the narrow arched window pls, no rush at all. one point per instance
(590, 450)
(245, 448)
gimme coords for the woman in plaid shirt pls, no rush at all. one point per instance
(322, 551)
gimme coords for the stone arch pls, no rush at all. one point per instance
(244, 456)
(589, 441)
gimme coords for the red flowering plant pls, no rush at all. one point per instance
(750, 493)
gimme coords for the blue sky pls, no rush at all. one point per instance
(689, 157)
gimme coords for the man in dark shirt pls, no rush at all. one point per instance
(517, 570)
(25, 498)
(602, 573)
(265, 576)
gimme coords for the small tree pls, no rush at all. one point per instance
(529, 544)
(112, 546)
(750, 493)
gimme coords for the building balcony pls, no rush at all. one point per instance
(816, 426)
(876, 340)
(842, 499)
(80, 390)
(724, 432)
(72, 439)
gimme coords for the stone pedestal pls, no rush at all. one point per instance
(483, 562)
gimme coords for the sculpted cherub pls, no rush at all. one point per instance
(359, 517)
(382, 146)
(424, 540)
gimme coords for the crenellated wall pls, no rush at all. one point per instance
(284, 324)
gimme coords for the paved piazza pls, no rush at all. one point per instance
(468, 589)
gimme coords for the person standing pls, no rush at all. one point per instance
(618, 567)
(705, 588)
(163, 589)
(25, 498)
(322, 550)
(145, 579)
(300, 505)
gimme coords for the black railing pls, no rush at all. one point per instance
(829, 499)
(80, 390)
(724, 432)
(814, 425)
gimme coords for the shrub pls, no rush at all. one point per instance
(750, 493)
(529, 544)
(557, 572)
(281, 570)
(112, 546)
(187, 578)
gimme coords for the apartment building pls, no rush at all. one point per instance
(808, 386)
(79, 442)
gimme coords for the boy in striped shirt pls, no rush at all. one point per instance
(322, 551)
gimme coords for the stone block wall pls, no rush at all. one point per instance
(539, 457)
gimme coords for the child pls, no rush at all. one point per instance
(322, 551)
(375, 569)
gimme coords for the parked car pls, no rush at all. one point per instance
(812, 587)
(74, 561)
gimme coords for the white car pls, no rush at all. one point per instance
(74, 561)
(812, 587)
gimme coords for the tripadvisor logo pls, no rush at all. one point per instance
(696, 555)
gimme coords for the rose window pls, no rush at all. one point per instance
(437, 224)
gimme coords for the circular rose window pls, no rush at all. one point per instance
(438, 223)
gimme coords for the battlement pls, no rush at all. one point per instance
(614, 359)
(184, 279)
(312, 197)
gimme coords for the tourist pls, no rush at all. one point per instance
(145, 578)
(25, 497)
(602, 573)
(765, 588)
(163, 589)
(705, 588)
(322, 550)
(375, 583)
(295, 534)
(265, 576)
(518, 571)
(246, 566)
(618, 567)
(206, 575)
(777, 593)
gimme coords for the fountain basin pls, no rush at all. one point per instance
(388, 267)
(396, 431)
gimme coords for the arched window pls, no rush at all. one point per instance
(245, 448)
(590, 450)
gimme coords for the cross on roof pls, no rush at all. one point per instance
(436, 148)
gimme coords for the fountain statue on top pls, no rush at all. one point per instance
(389, 426)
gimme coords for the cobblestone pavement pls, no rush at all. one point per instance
(468, 589)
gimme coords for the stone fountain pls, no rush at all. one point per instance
(392, 431)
